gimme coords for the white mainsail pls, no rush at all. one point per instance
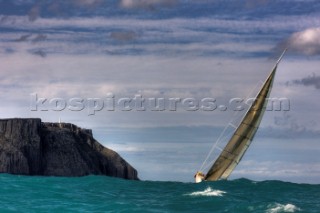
(241, 139)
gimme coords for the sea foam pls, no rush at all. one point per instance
(208, 192)
(277, 208)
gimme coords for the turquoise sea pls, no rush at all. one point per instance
(105, 194)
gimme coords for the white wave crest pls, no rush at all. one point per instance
(208, 192)
(283, 208)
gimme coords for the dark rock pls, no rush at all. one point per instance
(30, 147)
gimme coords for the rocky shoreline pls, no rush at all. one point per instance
(32, 147)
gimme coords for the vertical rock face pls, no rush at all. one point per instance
(20, 146)
(30, 147)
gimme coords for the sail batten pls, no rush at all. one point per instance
(243, 135)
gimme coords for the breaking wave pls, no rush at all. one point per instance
(277, 208)
(208, 192)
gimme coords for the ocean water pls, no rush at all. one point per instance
(105, 194)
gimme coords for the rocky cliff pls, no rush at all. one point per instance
(31, 147)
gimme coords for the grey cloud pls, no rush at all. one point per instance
(40, 53)
(289, 123)
(123, 35)
(147, 4)
(305, 42)
(287, 126)
(87, 3)
(283, 120)
(8, 50)
(56, 6)
(23, 38)
(39, 37)
(34, 12)
(309, 81)
(8, 20)
(22, 2)
(255, 3)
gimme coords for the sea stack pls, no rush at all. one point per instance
(32, 147)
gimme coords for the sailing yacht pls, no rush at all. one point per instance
(243, 135)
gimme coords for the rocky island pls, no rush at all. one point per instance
(32, 147)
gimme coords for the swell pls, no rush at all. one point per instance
(105, 194)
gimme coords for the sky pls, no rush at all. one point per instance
(92, 62)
